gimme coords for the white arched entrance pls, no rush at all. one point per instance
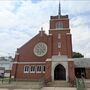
(62, 61)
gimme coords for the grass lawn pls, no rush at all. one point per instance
(5, 79)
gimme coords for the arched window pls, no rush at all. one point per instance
(39, 69)
(32, 69)
(43, 69)
(59, 25)
(26, 68)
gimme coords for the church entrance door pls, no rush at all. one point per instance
(59, 73)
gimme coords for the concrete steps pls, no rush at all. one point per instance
(58, 88)
(58, 84)
(87, 83)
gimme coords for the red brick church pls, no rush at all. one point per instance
(45, 56)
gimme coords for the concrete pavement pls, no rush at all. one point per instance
(58, 88)
(44, 88)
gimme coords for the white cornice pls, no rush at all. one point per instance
(60, 29)
(70, 59)
(29, 62)
(49, 59)
(68, 33)
(59, 19)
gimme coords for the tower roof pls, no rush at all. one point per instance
(59, 10)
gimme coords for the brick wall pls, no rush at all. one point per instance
(87, 73)
(20, 75)
(48, 71)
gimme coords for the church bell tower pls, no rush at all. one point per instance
(60, 31)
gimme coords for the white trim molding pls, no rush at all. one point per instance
(49, 59)
(29, 62)
(60, 19)
(60, 29)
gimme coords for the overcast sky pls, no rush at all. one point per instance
(20, 20)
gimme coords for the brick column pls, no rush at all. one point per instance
(71, 73)
(48, 70)
(69, 45)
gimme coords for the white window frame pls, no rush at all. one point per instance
(38, 68)
(43, 68)
(59, 44)
(32, 69)
(26, 70)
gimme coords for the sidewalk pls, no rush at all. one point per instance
(21, 85)
(58, 88)
(44, 88)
